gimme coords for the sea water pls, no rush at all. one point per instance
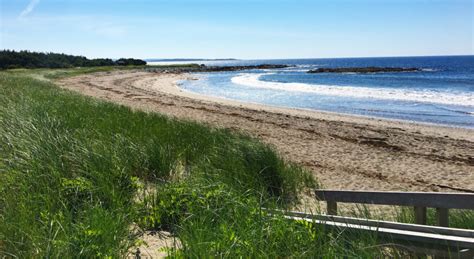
(441, 93)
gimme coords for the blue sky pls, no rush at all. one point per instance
(239, 28)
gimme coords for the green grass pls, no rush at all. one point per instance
(78, 176)
(45, 73)
(457, 218)
(51, 74)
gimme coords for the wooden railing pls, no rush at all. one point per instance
(418, 200)
(416, 238)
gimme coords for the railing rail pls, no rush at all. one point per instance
(419, 200)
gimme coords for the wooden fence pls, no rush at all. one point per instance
(418, 238)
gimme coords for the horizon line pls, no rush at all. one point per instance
(217, 59)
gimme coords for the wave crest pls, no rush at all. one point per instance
(428, 96)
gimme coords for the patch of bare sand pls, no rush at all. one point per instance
(155, 245)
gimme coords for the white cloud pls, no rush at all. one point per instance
(29, 8)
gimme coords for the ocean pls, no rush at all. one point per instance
(441, 93)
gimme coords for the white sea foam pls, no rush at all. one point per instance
(308, 66)
(428, 96)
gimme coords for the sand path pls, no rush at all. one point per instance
(343, 152)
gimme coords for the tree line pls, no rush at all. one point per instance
(25, 59)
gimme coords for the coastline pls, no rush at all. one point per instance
(343, 151)
(431, 128)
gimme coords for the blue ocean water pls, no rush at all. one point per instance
(442, 93)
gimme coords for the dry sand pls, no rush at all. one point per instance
(343, 152)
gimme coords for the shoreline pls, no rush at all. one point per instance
(175, 89)
(343, 151)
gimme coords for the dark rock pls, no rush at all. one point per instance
(204, 68)
(237, 68)
(364, 70)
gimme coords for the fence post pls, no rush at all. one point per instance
(420, 215)
(332, 208)
(442, 216)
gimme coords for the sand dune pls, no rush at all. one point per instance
(343, 152)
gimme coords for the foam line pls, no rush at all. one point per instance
(428, 96)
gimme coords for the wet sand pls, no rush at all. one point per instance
(342, 151)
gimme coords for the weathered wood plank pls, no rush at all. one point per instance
(442, 216)
(420, 199)
(332, 207)
(420, 215)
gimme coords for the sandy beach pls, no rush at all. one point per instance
(343, 152)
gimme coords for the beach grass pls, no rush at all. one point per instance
(52, 74)
(457, 218)
(81, 178)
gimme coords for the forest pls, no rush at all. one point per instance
(10, 59)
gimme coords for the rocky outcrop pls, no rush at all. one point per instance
(364, 70)
(237, 68)
(203, 68)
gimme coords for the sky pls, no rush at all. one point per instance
(246, 29)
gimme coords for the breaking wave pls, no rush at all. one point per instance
(427, 96)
